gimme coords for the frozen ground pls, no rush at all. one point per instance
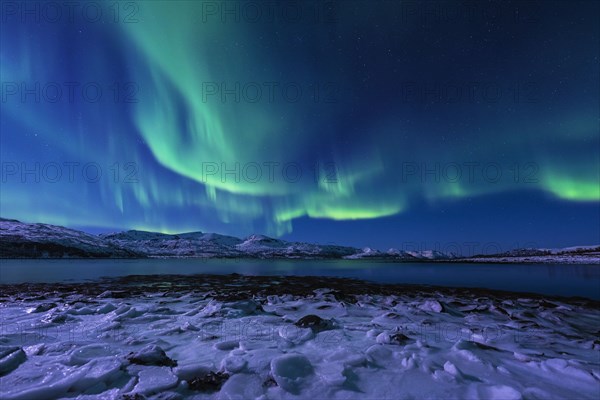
(237, 337)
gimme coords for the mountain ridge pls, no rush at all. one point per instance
(38, 240)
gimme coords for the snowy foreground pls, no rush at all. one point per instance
(238, 337)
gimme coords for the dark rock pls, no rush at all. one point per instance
(309, 321)
(399, 338)
(314, 322)
(270, 382)
(44, 307)
(485, 347)
(151, 355)
(210, 382)
(133, 396)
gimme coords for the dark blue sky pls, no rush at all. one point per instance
(388, 124)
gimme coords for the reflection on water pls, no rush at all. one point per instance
(565, 280)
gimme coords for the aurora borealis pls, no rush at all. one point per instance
(353, 121)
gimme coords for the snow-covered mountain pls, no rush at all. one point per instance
(530, 252)
(21, 240)
(400, 255)
(567, 255)
(265, 246)
(25, 240)
(192, 244)
(31, 240)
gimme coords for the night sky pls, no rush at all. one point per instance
(379, 123)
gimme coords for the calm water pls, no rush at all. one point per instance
(564, 280)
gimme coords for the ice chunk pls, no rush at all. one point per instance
(332, 374)
(155, 379)
(88, 353)
(432, 306)
(451, 369)
(191, 371)
(227, 345)
(562, 366)
(98, 372)
(393, 337)
(50, 382)
(42, 308)
(499, 392)
(246, 307)
(296, 335)
(290, 371)
(106, 308)
(212, 308)
(373, 333)
(81, 311)
(378, 353)
(241, 387)
(234, 364)
(106, 395)
(11, 358)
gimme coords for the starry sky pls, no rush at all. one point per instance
(446, 125)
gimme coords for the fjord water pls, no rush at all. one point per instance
(550, 279)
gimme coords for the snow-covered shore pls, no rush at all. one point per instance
(548, 259)
(241, 337)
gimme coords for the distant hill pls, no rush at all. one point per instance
(21, 240)
(567, 255)
(34, 240)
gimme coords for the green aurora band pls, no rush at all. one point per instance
(177, 134)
